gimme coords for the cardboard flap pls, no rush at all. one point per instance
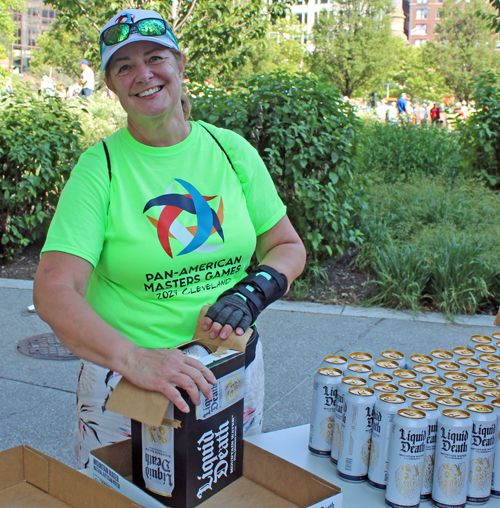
(138, 404)
(36, 469)
(11, 467)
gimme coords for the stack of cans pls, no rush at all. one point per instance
(418, 428)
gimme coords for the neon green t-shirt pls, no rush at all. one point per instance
(172, 230)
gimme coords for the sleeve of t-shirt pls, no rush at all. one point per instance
(264, 204)
(80, 221)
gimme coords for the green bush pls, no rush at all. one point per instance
(307, 136)
(480, 134)
(393, 153)
(432, 243)
(38, 148)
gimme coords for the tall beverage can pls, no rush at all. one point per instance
(475, 398)
(493, 369)
(461, 351)
(488, 359)
(406, 459)
(452, 458)
(404, 374)
(418, 359)
(478, 339)
(335, 361)
(422, 370)
(464, 388)
(386, 365)
(455, 377)
(412, 395)
(491, 394)
(429, 381)
(443, 367)
(356, 434)
(484, 423)
(475, 372)
(358, 370)
(361, 357)
(410, 384)
(431, 411)
(325, 386)
(481, 349)
(384, 411)
(466, 362)
(378, 377)
(448, 403)
(495, 480)
(439, 391)
(495, 336)
(440, 355)
(482, 382)
(381, 388)
(345, 383)
(397, 356)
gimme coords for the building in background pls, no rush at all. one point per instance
(422, 17)
(31, 23)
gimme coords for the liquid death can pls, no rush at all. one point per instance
(384, 411)
(439, 391)
(397, 356)
(404, 374)
(488, 359)
(356, 434)
(476, 398)
(361, 357)
(462, 352)
(380, 388)
(452, 458)
(412, 395)
(463, 388)
(478, 339)
(455, 377)
(378, 377)
(431, 411)
(422, 370)
(429, 381)
(495, 481)
(325, 386)
(418, 359)
(358, 370)
(466, 362)
(483, 349)
(385, 365)
(474, 373)
(493, 368)
(491, 394)
(439, 355)
(410, 384)
(335, 361)
(482, 383)
(345, 383)
(448, 403)
(406, 459)
(443, 367)
(158, 456)
(484, 422)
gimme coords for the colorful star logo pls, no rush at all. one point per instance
(193, 238)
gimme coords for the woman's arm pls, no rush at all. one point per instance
(59, 295)
(280, 248)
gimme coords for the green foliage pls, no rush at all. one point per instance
(7, 24)
(464, 47)
(353, 44)
(481, 133)
(307, 137)
(433, 243)
(38, 148)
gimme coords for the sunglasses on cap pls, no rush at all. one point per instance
(149, 27)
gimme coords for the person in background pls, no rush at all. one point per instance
(87, 79)
(423, 114)
(435, 112)
(160, 219)
(402, 105)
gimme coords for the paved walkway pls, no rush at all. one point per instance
(37, 396)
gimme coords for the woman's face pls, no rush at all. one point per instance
(147, 79)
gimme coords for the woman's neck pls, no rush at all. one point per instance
(156, 132)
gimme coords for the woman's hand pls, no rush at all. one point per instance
(165, 370)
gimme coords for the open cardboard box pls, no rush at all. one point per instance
(29, 479)
(268, 481)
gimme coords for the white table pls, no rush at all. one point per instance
(291, 444)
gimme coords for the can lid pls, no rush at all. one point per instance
(361, 391)
(475, 372)
(387, 364)
(359, 367)
(381, 377)
(448, 401)
(456, 413)
(495, 335)
(421, 358)
(493, 367)
(441, 391)
(410, 384)
(392, 398)
(441, 353)
(336, 359)
(463, 351)
(385, 387)
(404, 374)
(495, 403)
(450, 366)
(485, 348)
(472, 397)
(416, 395)
(465, 360)
(491, 392)
(393, 355)
(360, 355)
(415, 414)
(353, 381)
(456, 376)
(479, 408)
(463, 387)
(486, 383)
(480, 339)
(330, 371)
(424, 369)
(424, 405)
(433, 380)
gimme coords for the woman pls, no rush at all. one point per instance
(160, 219)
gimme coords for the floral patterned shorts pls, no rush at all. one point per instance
(98, 427)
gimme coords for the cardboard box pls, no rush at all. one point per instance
(268, 481)
(29, 478)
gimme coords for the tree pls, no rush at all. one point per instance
(352, 44)
(217, 36)
(465, 46)
(7, 24)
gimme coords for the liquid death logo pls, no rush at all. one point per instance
(214, 448)
(456, 442)
(412, 442)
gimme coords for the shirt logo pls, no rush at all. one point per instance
(125, 18)
(193, 238)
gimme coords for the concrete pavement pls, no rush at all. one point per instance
(37, 397)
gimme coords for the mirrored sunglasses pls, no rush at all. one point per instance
(149, 27)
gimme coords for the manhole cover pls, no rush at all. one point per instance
(45, 347)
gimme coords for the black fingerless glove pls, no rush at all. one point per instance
(240, 305)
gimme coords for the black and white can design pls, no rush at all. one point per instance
(432, 414)
(406, 459)
(325, 386)
(495, 480)
(484, 424)
(356, 434)
(452, 458)
(384, 411)
(345, 383)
